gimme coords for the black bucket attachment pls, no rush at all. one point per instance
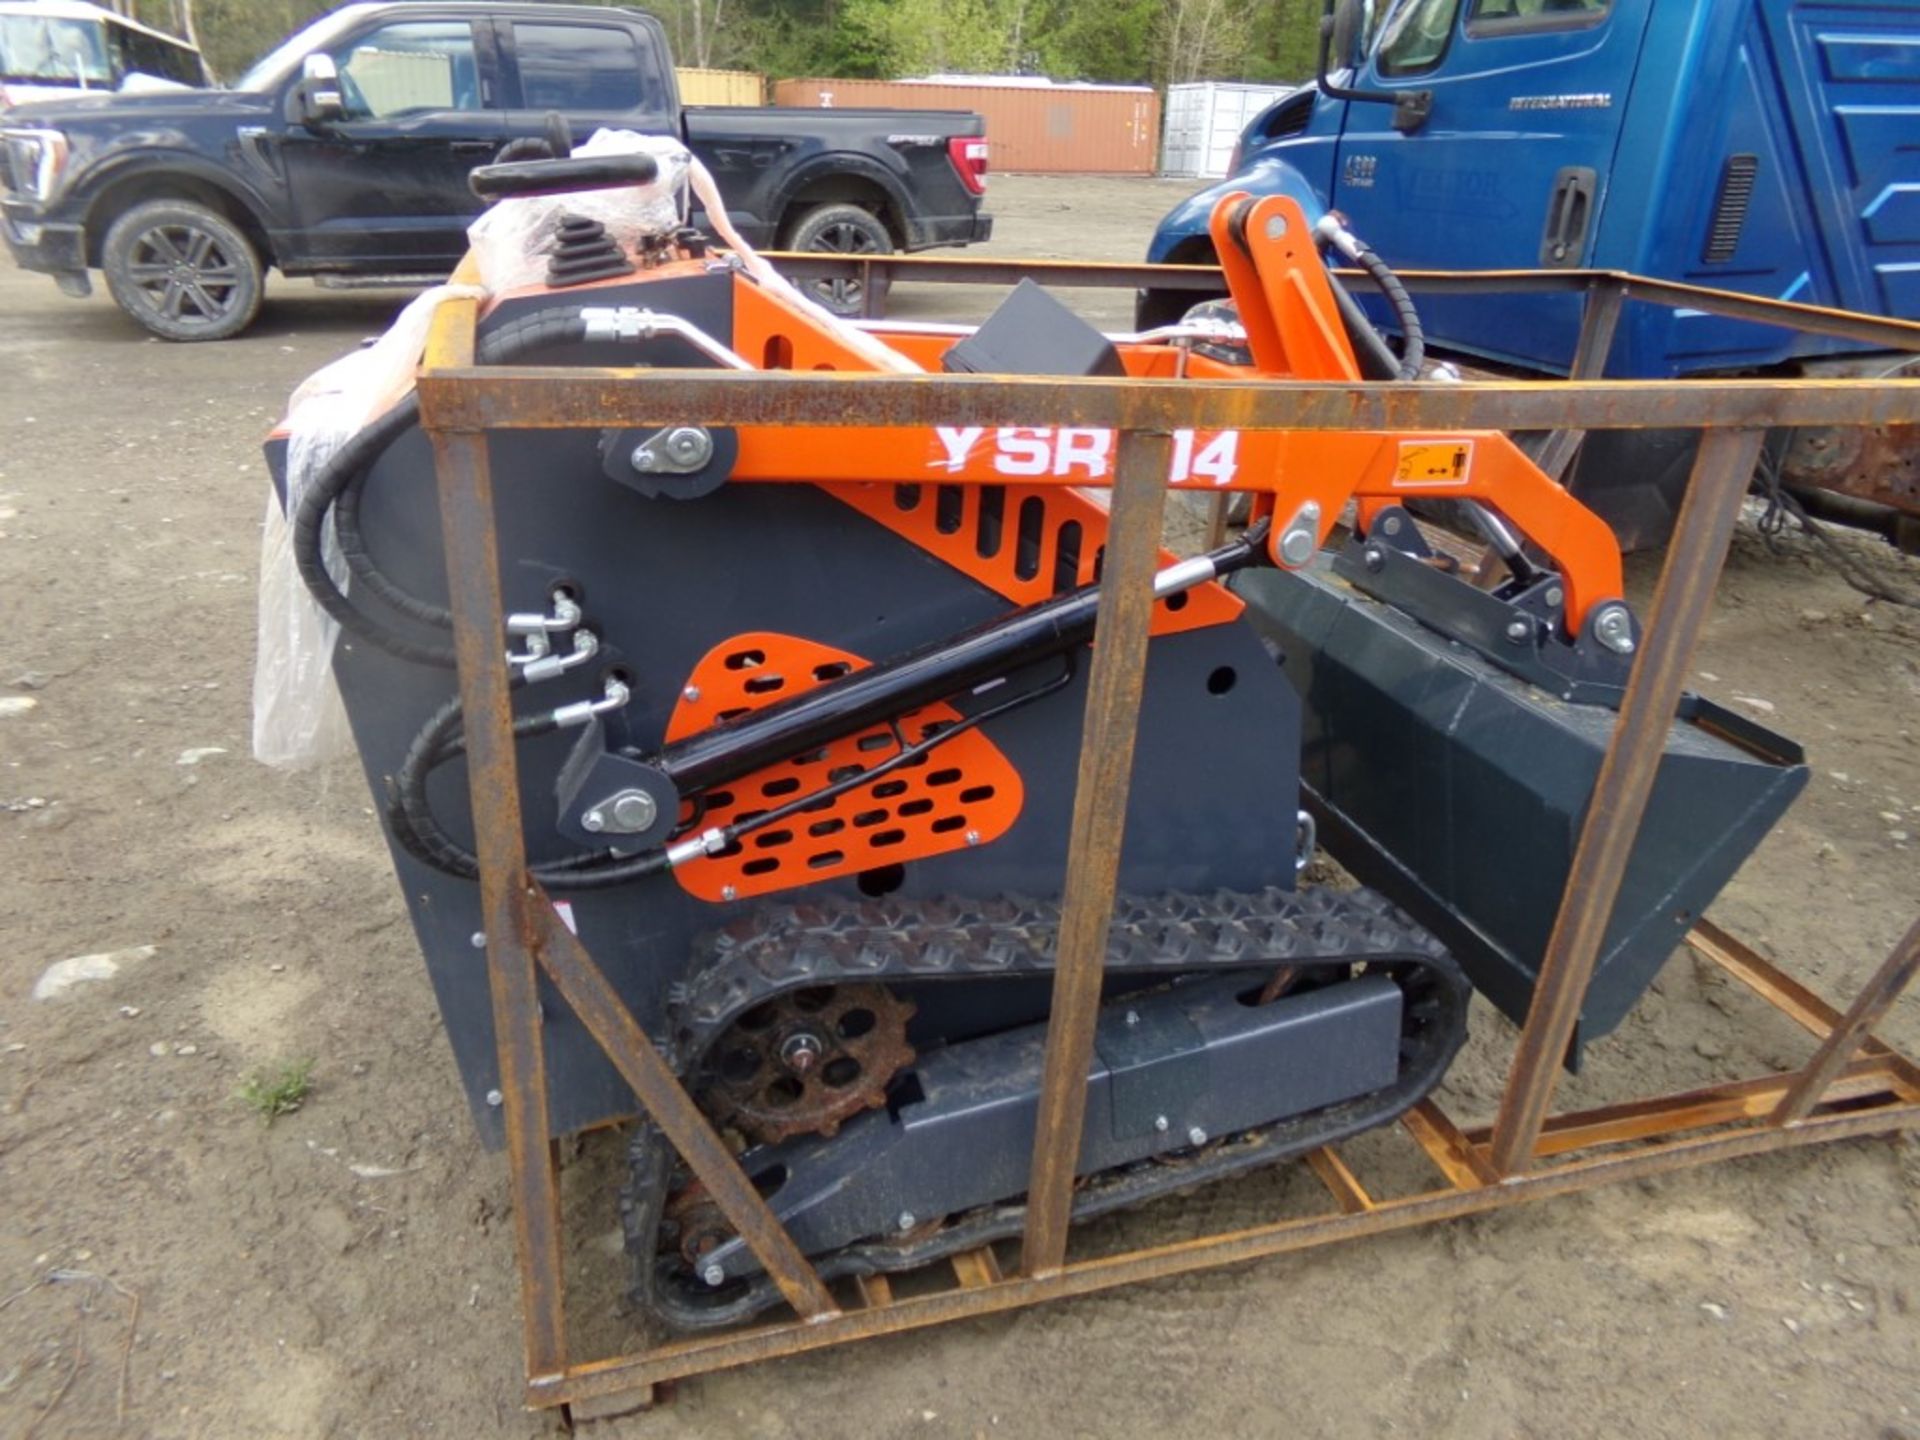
(1459, 790)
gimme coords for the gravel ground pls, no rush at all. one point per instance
(170, 1267)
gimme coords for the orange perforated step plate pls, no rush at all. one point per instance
(964, 792)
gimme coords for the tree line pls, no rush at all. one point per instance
(1157, 42)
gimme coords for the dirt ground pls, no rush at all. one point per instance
(171, 1267)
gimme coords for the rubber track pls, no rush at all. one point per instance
(785, 947)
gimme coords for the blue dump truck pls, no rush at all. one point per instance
(1764, 146)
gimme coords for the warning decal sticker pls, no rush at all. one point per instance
(1433, 464)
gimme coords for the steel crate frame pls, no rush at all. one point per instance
(1853, 1084)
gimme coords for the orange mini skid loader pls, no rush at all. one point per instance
(797, 708)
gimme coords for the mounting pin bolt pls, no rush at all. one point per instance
(633, 810)
(1196, 1136)
(496, 1099)
(714, 1276)
(727, 892)
(1518, 631)
(1133, 1017)
(593, 820)
(690, 694)
(1555, 596)
(1613, 628)
(1160, 1123)
(906, 1221)
(479, 939)
(1376, 559)
(973, 837)
(1390, 525)
(689, 446)
(1302, 535)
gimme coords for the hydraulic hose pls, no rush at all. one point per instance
(1377, 360)
(419, 833)
(1414, 349)
(336, 490)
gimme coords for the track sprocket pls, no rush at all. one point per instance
(804, 1062)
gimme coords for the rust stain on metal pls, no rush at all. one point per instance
(1882, 1087)
(706, 1354)
(1114, 688)
(1687, 581)
(1880, 463)
(531, 397)
(1876, 997)
(473, 575)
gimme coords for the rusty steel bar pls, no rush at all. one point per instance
(1882, 331)
(1114, 687)
(668, 1105)
(1680, 605)
(1345, 1187)
(473, 577)
(1599, 323)
(576, 397)
(1775, 986)
(1720, 1104)
(986, 270)
(705, 1354)
(1876, 997)
(1789, 996)
(1450, 1151)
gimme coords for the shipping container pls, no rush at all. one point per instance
(1204, 121)
(1033, 127)
(720, 87)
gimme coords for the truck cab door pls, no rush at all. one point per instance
(386, 185)
(1510, 168)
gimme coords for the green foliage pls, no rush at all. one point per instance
(1115, 41)
(276, 1090)
(1081, 41)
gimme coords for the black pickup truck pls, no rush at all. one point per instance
(344, 154)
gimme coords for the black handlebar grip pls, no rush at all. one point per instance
(561, 177)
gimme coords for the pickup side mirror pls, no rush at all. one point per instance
(316, 99)
(1340, 26)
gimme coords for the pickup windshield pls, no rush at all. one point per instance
(56, 51)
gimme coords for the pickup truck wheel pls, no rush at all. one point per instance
(842, 230)
(182, 270)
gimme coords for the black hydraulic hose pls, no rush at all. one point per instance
(1377, 360)
(1414, 335)
(347, 471)
(418, 830)
(349, 465)
(360, 564)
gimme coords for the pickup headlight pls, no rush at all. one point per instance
(35, 160)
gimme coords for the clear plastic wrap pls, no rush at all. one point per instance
(511, 241)
(297, 717)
